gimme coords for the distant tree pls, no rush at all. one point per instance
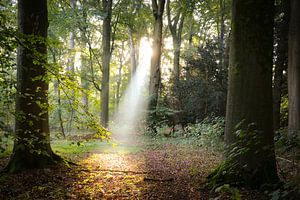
(71, 67)
(106, 55)
(155, 74)
(175, 24)
(32, 140)
(249, 123)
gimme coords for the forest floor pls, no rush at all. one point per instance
(142, 168)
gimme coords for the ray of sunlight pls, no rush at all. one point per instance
(132, 108)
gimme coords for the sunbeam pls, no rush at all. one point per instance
(131, 110)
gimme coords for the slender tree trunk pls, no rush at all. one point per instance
(190, 42)
(281, 62)
(84, 83)
(71, 69)
(132, 52)
(249, 101)
(59, 109)
(60, 118)
(158, 9)
(106, 39)
(294, 70)
(119, 85)
(32, 143)
(222, 34)
(119, 79)
(175, 27)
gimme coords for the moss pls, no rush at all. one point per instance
(20, 161)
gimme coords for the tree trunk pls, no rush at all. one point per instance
(132, 52)
(59, 109)
(71, 69)
(32, 143)
(222, 34)
(249, 123)
(158, 9)
(281, 62)
(60, 118)
(294, 70)
(119, 78)
(106, 54)
(176, 31)
(85, 84)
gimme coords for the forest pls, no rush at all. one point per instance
(150, 99)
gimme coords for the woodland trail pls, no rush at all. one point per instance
(138, 170)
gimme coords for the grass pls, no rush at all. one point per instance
(69, 147)
(64, 146)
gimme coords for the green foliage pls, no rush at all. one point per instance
(225, 173)
(284, 111)
(71, 102)
(158, 118)
(284, 142)
(234, 192)
(8, 45)
(209, 132)
(203, 87)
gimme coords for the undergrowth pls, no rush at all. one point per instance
(208, 133)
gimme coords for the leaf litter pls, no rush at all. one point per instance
(164, 171)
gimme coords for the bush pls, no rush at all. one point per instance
(209, 132)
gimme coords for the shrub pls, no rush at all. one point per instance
(209, 132)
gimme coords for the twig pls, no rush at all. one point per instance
(114, 171)
(284, 159)
(158, 179)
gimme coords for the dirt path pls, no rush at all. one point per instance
(161, 171)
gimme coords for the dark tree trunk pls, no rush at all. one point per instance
(158, 9)
(281, 61)
(294, 70)
(249, 122)
(106, 54)
(32, 143)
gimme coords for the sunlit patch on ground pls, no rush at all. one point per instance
(146, 169)
(165, 172)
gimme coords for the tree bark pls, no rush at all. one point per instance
(32, 143)
(158, 9)
(249, 100)
(106, 54)
(294, 70)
